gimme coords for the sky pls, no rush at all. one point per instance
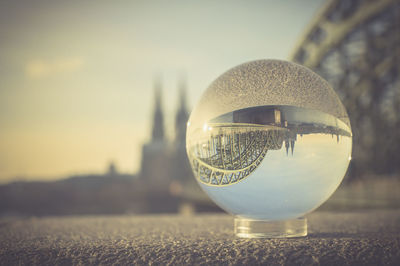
(77, 77)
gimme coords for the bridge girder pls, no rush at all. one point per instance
(355, 45)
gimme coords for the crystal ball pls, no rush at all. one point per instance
(269, 140)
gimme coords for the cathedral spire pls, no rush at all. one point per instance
(182, 113)
(292, 145)
(158, 123)
(182, 94)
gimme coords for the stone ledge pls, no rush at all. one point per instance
(364, 238)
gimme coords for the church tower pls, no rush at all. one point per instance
(155, 154)
(158, 120)
(181, 116)
(181, 170)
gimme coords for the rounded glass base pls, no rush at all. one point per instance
(247, 228)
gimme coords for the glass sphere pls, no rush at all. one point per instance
(269, 140)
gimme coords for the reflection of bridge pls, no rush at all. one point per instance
(230, 153)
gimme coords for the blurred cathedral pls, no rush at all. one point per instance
(164, 162)
(165, 168)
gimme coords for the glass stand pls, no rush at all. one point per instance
(247, 228)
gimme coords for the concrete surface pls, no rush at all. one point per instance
(362, 238)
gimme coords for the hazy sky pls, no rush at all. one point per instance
(76, 77)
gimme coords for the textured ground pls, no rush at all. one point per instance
(362, 238)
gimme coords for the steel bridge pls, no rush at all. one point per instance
(355, 45)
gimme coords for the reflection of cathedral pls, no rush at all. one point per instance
(290, 139)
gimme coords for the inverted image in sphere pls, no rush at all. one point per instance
(269, 140)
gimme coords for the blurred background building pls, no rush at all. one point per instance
(165, 170)
(165, 182)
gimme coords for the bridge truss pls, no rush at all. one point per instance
(355, 45)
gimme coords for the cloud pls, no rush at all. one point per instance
(37, 69)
